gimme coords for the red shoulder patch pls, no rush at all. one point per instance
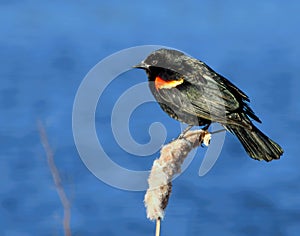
(163, 84)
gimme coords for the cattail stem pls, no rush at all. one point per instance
(157, 228)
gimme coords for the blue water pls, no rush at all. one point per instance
(46, 49)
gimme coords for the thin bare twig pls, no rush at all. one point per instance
(56, 178)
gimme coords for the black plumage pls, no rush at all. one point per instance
(191, 92)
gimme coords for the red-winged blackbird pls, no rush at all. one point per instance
(191, 92)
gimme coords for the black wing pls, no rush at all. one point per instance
(208, 96)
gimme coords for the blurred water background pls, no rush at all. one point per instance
(46, 49)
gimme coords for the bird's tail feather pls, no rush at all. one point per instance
(256, 143)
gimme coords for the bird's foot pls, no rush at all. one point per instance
(205, 129)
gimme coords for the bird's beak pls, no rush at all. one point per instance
(141, 65)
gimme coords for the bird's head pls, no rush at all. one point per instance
(162, 58)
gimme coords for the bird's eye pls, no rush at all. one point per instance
(154, 62)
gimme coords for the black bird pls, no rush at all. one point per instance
(190, 91)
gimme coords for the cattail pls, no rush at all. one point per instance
(164, 169)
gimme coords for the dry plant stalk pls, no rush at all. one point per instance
(57, 180)
(157, 230)
(164, 169)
